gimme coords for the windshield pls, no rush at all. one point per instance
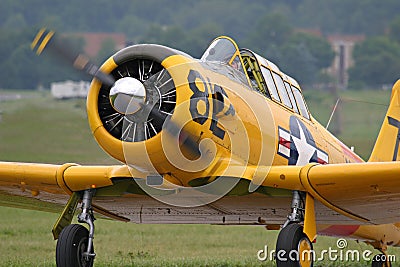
(221, 50)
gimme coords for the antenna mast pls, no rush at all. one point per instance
(333, 112)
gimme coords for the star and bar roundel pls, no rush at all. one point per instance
(298, 145)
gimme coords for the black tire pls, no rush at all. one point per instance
(71, 244)
(290, 239)
(380, 261)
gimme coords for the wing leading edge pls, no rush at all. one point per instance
(68, 177)
(47, 187)
(357, 190)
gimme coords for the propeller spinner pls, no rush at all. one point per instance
(128, 95)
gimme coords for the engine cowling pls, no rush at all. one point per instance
(196, 97)
(115, 129)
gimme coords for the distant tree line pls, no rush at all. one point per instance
(377, 59)
(267, 27)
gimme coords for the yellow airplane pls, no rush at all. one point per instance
(226, 139)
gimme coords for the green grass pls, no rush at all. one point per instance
(26, 241)
(40, 129)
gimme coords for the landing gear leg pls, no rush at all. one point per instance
(75, 243)
(87, 217)
(297, 214)
(293, 247)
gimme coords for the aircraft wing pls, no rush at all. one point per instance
(47, 187)
(356, 190)
(368, 192)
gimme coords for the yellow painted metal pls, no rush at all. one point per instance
(388, 135)
(110, 145)
(255, 158)
(306, 178)
(37, 38)
(310, 225)
(31, 174)
(66, 216)
(46, 38)
(252, 160)
(305, 253)
(341, 181)
(69, 177)
(345, 185)
(285, 177)
(385, 234)
(60, 177)
(256, 115)
(79, 178)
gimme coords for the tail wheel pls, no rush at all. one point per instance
(71, 245)
(293, 248)
(380, 261)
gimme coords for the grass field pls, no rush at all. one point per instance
(37, 128)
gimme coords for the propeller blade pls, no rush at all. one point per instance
(49, 40)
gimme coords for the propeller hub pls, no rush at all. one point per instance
(127, 95)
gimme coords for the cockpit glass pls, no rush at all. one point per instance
(221, 50)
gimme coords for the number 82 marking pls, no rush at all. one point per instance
(202, 96)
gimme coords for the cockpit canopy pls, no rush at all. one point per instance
(222, 50)
(261, 74)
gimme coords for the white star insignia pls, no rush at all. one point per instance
(305, 150)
